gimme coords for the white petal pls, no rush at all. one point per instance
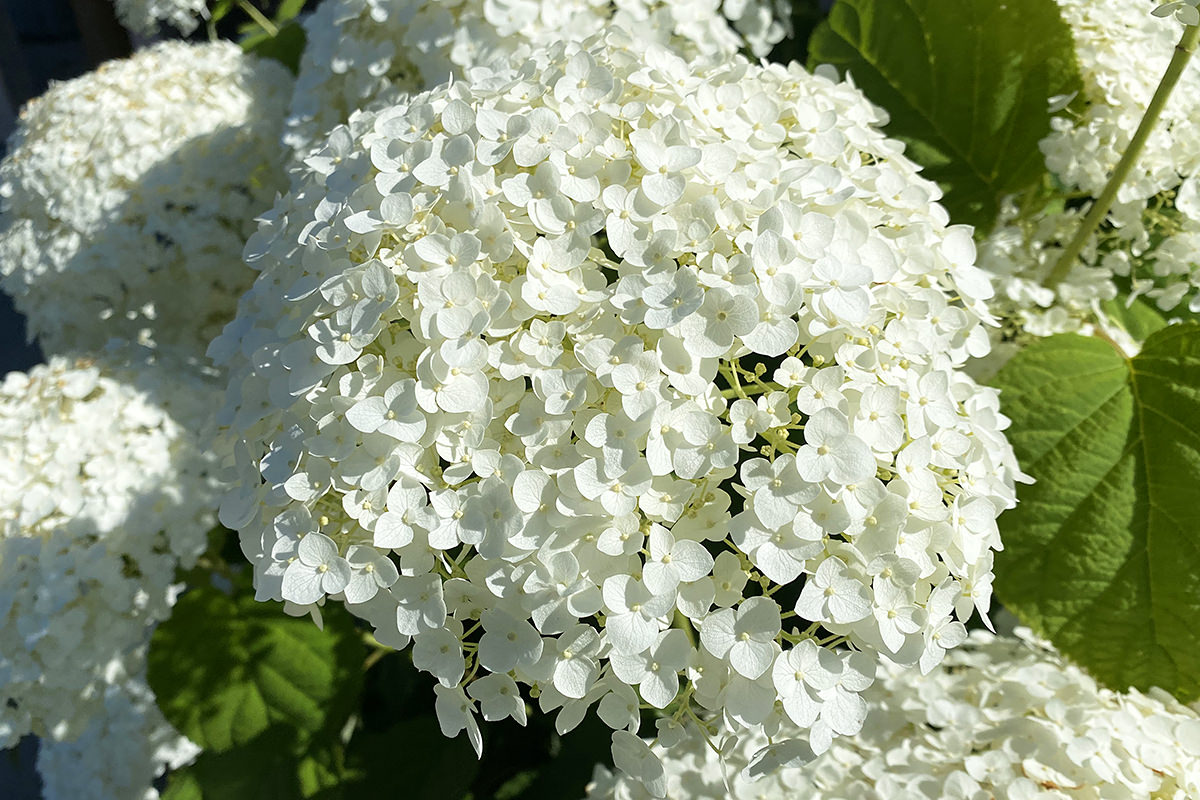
(717, 634)
(843, 711)
(301, 584)
(660, 578)
(316, 548)
(691, 560)
(660, 688)
(631, 633)
(336, 576)
(391, 531)
(750, 658)
(575, 677)
(361, 588)
(633, 756)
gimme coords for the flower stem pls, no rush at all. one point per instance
(735, 384)
(1183, 52)
(378, 651)
(684, 624)
(258, 17)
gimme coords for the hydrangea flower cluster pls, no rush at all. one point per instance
(104, 491)
(145, 16)
(120, 753)
(1004, 717)
(1150, 244)
(608, 376)
(362, 53)
(129, 192)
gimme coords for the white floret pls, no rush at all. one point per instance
(119, 754)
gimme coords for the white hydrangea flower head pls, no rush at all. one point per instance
(1150, 244)
(104, 491)
(129, 192)
(363, 53)
(119, 754)
(145, 16)
(1003, 717)
(1123, 51)
(615, 375)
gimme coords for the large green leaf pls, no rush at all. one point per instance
(261, 769)
(225, 669)
(323, 774)
(1102, 554)
(1138, 318)
(272, 766)
(966, 84)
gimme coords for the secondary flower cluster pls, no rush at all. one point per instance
(128, 193)
(545, 371)
(361, 54)
(103, 493)
(145, 16)
(1003, 717)
(120, 752)
(1150, 243)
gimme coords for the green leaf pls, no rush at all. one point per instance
(1139, 319)
(966, 84)
(225, 669)
(183, 785)
(219, 11)
(1102, 554)
(286, 46)
(271, 765)
(262, 769)
(288, 9)
(516, 786)
(322, 772)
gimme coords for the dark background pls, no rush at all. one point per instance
(39, 42)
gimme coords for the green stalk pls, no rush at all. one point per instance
(259, 18)
(684, 624)
(1183, 53)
